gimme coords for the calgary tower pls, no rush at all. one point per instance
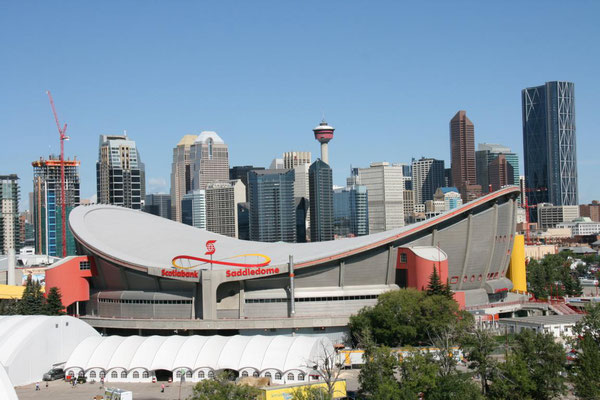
(324, 133)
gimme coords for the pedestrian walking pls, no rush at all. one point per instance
(37, 386)
(162, 387)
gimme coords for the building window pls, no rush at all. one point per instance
(244, 374)
(278, 376)
(136, 375)
(211, 374)
(201, 374)
(255, 374)
(70, 373)
(84, 265)
(267, 374)
(102, 374)
(300, 377)
(93, 374)
(114, 375)
(80, 373)
(188, 374)
(403, 258)
(145, 374)
(290, 377)
(123, 375)
(178, 374)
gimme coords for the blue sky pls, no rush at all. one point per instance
(387, 75)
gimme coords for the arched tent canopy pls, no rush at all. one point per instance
(281, 353)
(32, 345)
(7, 391)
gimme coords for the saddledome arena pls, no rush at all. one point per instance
(150, 273)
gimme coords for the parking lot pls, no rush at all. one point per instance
(60, 390)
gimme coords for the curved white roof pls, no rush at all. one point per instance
(205, 135)
(26, 356)
(7, 391)
(282, 353)
(145, 240)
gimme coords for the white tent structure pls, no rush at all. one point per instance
(30, 345)
(7, 391)
(140, 359)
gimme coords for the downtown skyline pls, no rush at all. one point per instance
(399, 98)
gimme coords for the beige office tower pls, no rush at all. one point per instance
(385, 186)
(210, 160)
(222, 199)
(292, 159)
(181, 174)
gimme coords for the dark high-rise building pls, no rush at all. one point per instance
(320, 182)
(181, 174)
(272, 206)
(488, 152)
(549, 144)
(301, 213)
(462, 154)
(158, 204)
(10, 226)
(243, 222)
(427, 177)
(47, 209)
(500, 172)
(120, 173)
(241, 172)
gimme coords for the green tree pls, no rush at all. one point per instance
(534, 368)
(478, 346)
(406, 317)
(377, 374)
(9, 307)
(221, 388)
(53, 305)
(32, 301)
(586, 368)
(436, 287)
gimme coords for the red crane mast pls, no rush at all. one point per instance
(63, 205)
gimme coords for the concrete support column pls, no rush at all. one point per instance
(12, 263)
(493, 246)
(391, 267)
(242, 298)
(342, 269)
(209, 296)
(467, 251)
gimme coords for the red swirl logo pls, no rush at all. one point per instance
(210, 247)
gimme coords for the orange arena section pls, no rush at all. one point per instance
(70, 276)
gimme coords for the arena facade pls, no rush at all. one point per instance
(143, 272)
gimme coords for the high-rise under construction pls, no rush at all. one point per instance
(47, 214)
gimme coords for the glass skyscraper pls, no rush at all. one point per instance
(321, 201)
(272, 206)
(549, 144)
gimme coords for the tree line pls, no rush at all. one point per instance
(33, 302)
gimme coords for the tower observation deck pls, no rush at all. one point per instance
(324, 133)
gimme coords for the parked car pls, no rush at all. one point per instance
(54, 374)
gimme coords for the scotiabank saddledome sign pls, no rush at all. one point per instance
(188, 266)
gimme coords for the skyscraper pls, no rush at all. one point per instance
(47, 210)
(241, 172)
(485, 154)
(193, 209)
(462, 155)
(321, 203)
(385, 185)
(158, 204)
(210, 160)
(292, 159)
(272, 206)
(501, 172)
(120, 175)
(222, 198)
(427, 177)
(181, 174)
(350, 211)
(10, 231)
(549, 144)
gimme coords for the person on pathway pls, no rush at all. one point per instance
(162, 387)
(37, 386)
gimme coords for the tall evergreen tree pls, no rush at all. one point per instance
(32, 301)
(54, 304)
(436, 287)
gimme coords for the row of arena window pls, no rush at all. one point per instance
(199, 375)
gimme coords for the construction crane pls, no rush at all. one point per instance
(63, 205)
